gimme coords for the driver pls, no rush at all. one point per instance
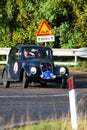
(39, 55)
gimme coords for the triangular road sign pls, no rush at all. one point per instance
(44, 29)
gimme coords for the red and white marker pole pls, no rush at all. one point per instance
(72, 101)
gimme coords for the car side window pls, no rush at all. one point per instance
(17, 54)
(11, 56)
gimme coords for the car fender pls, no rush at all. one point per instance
(57, 71)
(26, 69)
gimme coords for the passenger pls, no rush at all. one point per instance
(39, 55)
(26, 53)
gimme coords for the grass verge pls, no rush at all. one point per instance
(54, 125)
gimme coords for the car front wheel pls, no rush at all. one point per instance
(64, 83)
(6, 83)
(43, 84)
(25, 80)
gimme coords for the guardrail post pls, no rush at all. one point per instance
(6, 58)
(75, 60)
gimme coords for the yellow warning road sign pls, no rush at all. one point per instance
(45, 33)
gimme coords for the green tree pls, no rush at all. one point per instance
(20, 20)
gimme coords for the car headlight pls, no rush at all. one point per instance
(33, 70)
(62, 70)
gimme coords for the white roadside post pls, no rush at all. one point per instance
(73, 106)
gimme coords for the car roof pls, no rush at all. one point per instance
(30, 46)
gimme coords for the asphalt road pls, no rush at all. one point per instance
(34, 104)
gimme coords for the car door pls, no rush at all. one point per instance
(15, 64)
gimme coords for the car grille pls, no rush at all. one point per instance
(45, 66)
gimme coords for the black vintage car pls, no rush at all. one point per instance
(31, 63)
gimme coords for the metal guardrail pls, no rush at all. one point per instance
(4, 52)
(81, 52)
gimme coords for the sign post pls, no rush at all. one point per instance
(72, 101)
(45, 33)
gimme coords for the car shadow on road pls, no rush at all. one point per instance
(1, 83)
(49, 85)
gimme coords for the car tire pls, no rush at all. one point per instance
(25, 80)
(64, 83)
(6, 83)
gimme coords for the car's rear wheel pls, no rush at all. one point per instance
(6, 83)
(25, 80)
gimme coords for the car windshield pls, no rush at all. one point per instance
(37, 53)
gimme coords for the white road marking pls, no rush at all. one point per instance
(33, 96)
(39, 95)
